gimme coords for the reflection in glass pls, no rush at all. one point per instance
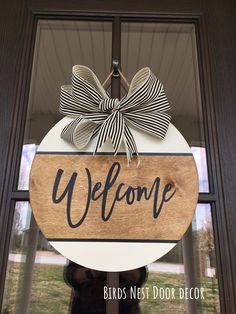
(35, 271)
(27, 157)
(190, 264)
(199, 154)
(39, 277)
(60, 45)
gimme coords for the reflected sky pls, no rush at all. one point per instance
(199, 154)
(27, 157)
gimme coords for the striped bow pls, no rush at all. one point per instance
(96, 114)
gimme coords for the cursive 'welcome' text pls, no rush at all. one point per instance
(121, 192)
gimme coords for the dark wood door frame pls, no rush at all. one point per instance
(215, 24)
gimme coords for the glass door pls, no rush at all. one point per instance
(39, 280)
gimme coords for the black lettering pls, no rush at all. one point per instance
(96, 188)
(167, 188)
(110, 180)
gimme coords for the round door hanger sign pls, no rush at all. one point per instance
(100, 210)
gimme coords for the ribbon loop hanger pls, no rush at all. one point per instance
(116, 72)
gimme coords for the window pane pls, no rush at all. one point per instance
(171, 53)
(59, 46)
(190, 264)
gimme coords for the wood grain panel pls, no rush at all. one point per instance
(127, 221)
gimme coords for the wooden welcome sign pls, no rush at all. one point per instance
(81, 196)
(78, 198)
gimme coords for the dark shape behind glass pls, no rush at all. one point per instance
(90, 290)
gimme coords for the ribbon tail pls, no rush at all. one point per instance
(117, 132)
(113, 128)
(130, 145)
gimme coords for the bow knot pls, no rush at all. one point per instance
(95, 114)
(109, 105)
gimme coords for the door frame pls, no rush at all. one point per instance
(16, 63)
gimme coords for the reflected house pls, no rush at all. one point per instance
(205, 243)
(42, 244)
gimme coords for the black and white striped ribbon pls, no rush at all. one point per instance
(96, 114)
